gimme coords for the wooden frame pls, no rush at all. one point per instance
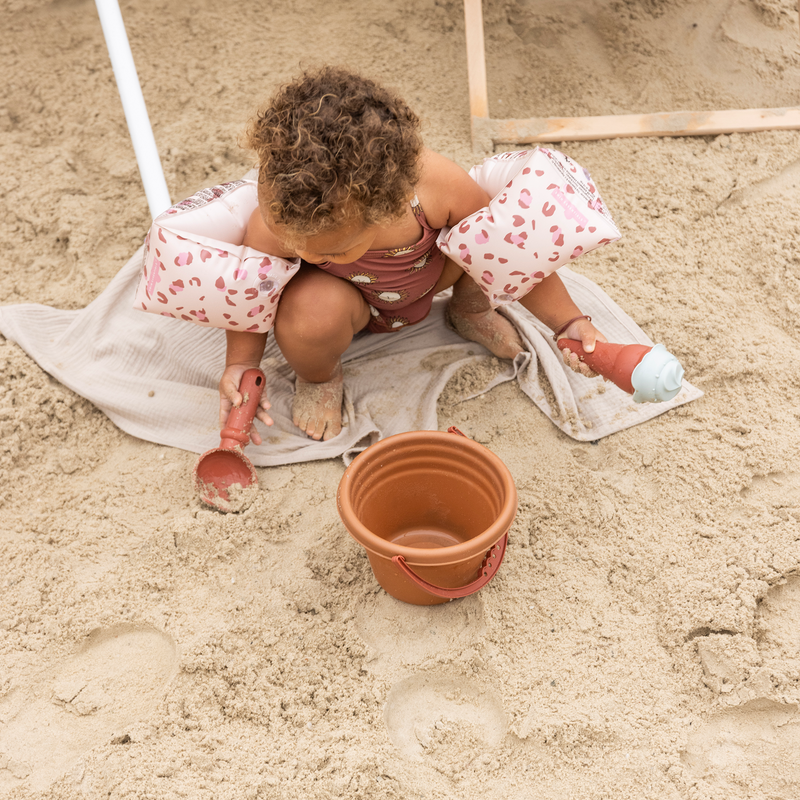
(487, 132)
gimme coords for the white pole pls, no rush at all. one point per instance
(130, 92)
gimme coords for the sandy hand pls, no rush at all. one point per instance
(583, 331)
(229, 398)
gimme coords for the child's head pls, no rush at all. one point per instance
(334, 149)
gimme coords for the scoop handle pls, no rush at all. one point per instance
(236, 432)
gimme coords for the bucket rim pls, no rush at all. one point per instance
(426, 556)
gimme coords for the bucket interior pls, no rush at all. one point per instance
(428, 497)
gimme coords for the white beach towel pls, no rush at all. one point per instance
(156, 378)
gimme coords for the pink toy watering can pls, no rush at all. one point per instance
(650, 374)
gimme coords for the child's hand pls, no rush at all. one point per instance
(584, 332)
(229, 397)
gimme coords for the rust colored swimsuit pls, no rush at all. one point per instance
(397, 284)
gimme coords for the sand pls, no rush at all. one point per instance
(640, 640)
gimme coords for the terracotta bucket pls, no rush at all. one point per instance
(432, 510)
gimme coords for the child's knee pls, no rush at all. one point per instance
(318, 308)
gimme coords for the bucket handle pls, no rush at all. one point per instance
(489, 567)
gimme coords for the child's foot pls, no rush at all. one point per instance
(317, 407)
(471, 317)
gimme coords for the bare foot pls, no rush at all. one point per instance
(317, 407)
(471, 317)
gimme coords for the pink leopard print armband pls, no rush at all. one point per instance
(545, 211)
(197, 269)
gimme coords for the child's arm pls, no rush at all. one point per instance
(452, 196)
(244, 350)
(550, 302)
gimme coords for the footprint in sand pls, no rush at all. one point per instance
(399, 634)
(764, 666)
(767, 189)
(446, 721)
(116, 677)
(778, 489)
(755, 745)
(777, 492)
(778, 625)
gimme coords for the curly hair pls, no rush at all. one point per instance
(334, 146)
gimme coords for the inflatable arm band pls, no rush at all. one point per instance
(197, 269)
(545, 211)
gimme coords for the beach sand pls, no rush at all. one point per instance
(641, 640)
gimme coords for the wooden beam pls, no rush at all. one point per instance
(488, 132)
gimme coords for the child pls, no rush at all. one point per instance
(345, 184)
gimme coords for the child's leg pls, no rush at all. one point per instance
(471, 316)
(318, 315)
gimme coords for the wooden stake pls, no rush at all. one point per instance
(476, 59)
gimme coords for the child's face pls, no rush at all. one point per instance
(341, 246)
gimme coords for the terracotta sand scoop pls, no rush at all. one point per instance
(224, 477)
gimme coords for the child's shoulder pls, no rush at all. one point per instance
(446, 191)
(260, 237)
(437, 171)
